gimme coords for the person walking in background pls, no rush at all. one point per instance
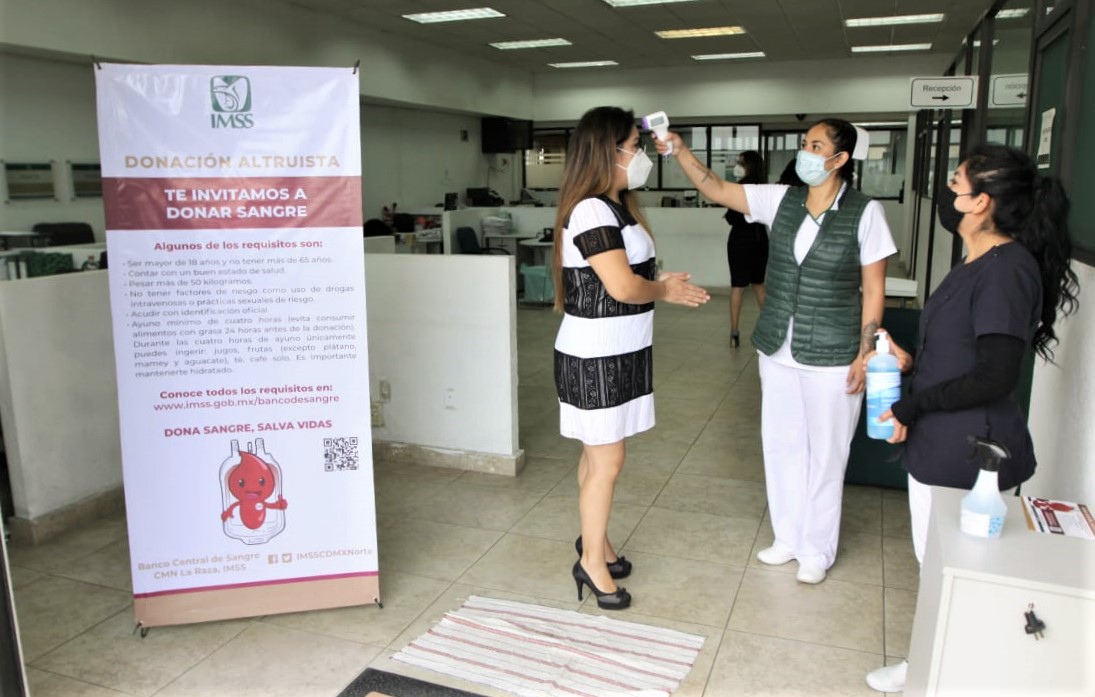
(826, 289)
(975, 331)
(746, 246)
(604, 263)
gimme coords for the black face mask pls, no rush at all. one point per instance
(949, 216)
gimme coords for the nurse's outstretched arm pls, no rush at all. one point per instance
(711, 185)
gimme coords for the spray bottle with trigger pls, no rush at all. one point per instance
(659, 123)
(983, 509)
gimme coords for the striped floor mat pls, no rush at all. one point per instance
(536, 651)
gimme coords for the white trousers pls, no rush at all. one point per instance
(807, 424)
(920, 507)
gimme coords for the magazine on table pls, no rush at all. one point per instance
(1059, 517)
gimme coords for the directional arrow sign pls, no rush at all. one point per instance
(1008, 90)
(943, 92)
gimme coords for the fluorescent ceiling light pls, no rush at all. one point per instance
(727, 56)
(977, 42)
(583, 64)
(693, 33)
(453, 15)
(893, 47)
(1014, 13)
(635, 3)
(534, 43)
(889, 21)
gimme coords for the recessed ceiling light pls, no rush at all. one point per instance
(533, 43)
(635, 3)
(583, 64)
(453, 15)
(892, 47)
(888, 21)
(693, 33)
(1014, 13)
(728, 56)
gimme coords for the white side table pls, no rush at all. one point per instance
(968, 636)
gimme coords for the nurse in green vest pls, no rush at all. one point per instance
(826, 289)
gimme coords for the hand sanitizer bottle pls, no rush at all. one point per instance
(883, 388)
(983, 509)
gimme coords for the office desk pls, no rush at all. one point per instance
(501, 240)
(419, 242)
(905, 289)
(19, 239)
(539, 251)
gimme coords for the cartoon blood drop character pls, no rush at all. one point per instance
(247, 483)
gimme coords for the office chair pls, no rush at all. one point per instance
(468, 243)
(375, 227)
(60, 234)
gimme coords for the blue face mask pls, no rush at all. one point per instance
(810, 168)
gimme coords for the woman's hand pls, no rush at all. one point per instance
(904, 358)
(857, 377)
(679, 291)
(900, 430)
(671, 138)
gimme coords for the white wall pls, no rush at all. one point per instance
(434, 322)
(413, 157)
(265, 32)
(58, 392)
(47, 113)
(687, 239)
(441, 322)
(814, 88)
(1062, 406)
(409, 156)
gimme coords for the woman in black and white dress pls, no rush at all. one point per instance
(604, 264)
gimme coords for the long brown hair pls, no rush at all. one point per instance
(589, 171)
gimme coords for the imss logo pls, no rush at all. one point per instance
(231, 97)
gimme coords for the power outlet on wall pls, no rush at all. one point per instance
(377, 411)
(450, 398)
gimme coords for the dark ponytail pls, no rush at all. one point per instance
(1032, 209)
(844, 137)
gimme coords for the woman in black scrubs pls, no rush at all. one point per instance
(975, 331)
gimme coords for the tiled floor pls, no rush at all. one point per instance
(690, 513)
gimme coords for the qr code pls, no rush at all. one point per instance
(340, 454)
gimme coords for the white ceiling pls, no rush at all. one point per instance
(784, 29)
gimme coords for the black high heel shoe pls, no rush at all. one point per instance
(621, 568)
(735, 339)
(619, 600)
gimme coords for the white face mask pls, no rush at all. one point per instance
(810, 167)
(638, 169)
(739, 172)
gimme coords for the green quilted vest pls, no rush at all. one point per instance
(823, 294)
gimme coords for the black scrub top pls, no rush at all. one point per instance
(997, 293)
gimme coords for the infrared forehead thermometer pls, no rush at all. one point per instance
(659, 123)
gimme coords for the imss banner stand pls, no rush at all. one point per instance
(237, 288)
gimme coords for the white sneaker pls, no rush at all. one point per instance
(775, 555)
(889, 678)
(807, 573)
